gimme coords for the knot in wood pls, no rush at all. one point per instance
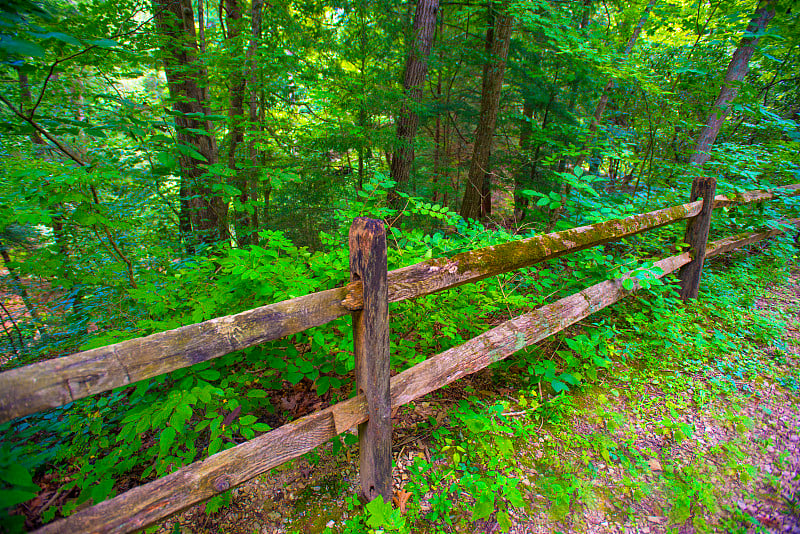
(222, 484)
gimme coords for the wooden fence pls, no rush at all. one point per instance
(56, 382)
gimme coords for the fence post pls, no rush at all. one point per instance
(371, 348)
(697, 236)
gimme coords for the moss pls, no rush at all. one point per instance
(517, 254)
(316, 506)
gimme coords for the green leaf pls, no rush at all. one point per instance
(190, 152)
(379, 512)
(323, 384)
(209, 374)
(166, 440)
(504, 521)
(294, 377)
(16, 475)
(63, 37)
(104, 43)
(248, 420)
(101, 491)
(627, 284)
(484, 506)
(515, 497)
(13, 497)
(256, 394)
(20, 47)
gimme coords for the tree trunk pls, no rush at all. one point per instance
(737, 69)
(233, 15)
(254, 172)
(601, 106)
(413, 79)
(697, 228)
(207, 211)
(526, 127)
(498, 36)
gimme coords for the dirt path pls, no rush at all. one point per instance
(710, 445)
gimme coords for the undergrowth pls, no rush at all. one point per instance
(513, 459)
(97, 447)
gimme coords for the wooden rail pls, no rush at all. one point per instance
(56, 382)
(194, 483)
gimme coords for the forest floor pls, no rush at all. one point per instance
(680, 443)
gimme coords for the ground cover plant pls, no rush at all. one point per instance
(691, 422)
(168, 162)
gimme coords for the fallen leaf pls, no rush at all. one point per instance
(655, 465)
(400, 499)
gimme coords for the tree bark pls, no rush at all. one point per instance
(737, 69)
(253, 116)
(233, 15)
(697, 228)
(521, 202)
(498, 36)
(601, 106)
(413, 78)
(207, 213)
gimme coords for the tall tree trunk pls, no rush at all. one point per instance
(498, 36)
(254, 171)
(207, 211)
(601, 105)
(525, 129)
(697, 228)
(413, 79)
(737, 69)
(233, 15)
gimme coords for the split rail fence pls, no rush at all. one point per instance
(56, 382)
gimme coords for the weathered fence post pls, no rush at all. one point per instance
(697, 236)
(371, 347)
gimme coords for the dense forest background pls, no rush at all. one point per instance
(165, 163)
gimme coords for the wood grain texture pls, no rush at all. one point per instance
(697, 236)
(144, 505)
(56, 382)
(733, 242)
(371, 350)
(760, 195)
(444, 273)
